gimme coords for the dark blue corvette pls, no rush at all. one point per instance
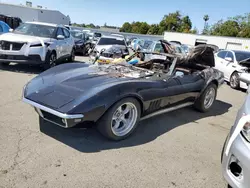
(117, 96)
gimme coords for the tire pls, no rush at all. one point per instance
(142, 57)
(234, 81)
(85, 50)
(50, 61)
(201, 104)
(72, 56)
(111, 124)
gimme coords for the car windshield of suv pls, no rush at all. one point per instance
(111, 41)
(241, 56)
(35, 30)
(147, 44)
(77, 34)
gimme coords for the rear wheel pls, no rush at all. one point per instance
(120, 120)
(206, 99)
(234, 81)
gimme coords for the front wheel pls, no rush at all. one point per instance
(120, 120)
(50, 60)
(234, 81)
(72, 56)
(206, 99)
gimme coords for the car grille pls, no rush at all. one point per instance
(52, 118)
(5, 45)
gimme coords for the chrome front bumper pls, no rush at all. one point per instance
(53, 116)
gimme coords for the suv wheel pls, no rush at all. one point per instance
(72, 56)
(50, 60)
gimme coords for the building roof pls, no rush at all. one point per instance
(24, 6)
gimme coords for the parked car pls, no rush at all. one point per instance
(232, 63)
(117, 96)
(4, 27)
(105, 42)
(236, 150)
(158, 47)
(82, 42)
(37, 43)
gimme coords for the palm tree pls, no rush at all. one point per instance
(205, 18)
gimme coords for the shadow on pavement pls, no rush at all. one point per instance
(22, 68)
(89, 140)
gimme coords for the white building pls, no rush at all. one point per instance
(29, 13)
(232, 43)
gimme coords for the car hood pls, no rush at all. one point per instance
(13, 37)
(63, 84)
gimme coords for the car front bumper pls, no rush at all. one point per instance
(21, 59)
(238, 158)
(25, 55)
(53, 116)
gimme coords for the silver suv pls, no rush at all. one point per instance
(37, 43)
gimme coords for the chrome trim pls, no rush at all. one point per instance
(167, 110)
(56, 123)
(54, 112)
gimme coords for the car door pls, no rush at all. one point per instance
(229, 64)
(68, 40)
(60, 43)
(219, 60)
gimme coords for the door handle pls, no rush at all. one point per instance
(233, 66)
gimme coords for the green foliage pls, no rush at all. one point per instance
(238, 26)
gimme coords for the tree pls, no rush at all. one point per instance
(171, 22)
(143, 28)
(186, 24)
(194, 31)
(206, 27)
(154, 29)
(126, 27)
(227, 28)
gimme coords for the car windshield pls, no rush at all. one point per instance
(241, 56)
(35, 30)
(77, 34)
(111, 41)
(147, 44)
(97, 35)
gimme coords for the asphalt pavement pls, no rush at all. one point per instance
(178, 149)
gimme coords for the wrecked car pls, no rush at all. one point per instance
(117, 96)
(232, 63)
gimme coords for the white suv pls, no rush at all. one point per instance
(37, 43)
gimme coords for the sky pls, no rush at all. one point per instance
(116, 12)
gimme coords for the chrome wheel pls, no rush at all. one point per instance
(52, 60)
(209, 97)
(234, 82)
(124, 119)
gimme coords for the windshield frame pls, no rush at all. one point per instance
(51, 35)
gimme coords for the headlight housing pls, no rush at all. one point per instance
(246, 131)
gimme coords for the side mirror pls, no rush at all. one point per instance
(229, 59)
(11, 30)
(60, 37)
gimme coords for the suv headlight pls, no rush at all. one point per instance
(246, 131)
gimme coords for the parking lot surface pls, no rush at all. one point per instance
(177, 149)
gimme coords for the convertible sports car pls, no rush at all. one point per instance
(117, 96)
